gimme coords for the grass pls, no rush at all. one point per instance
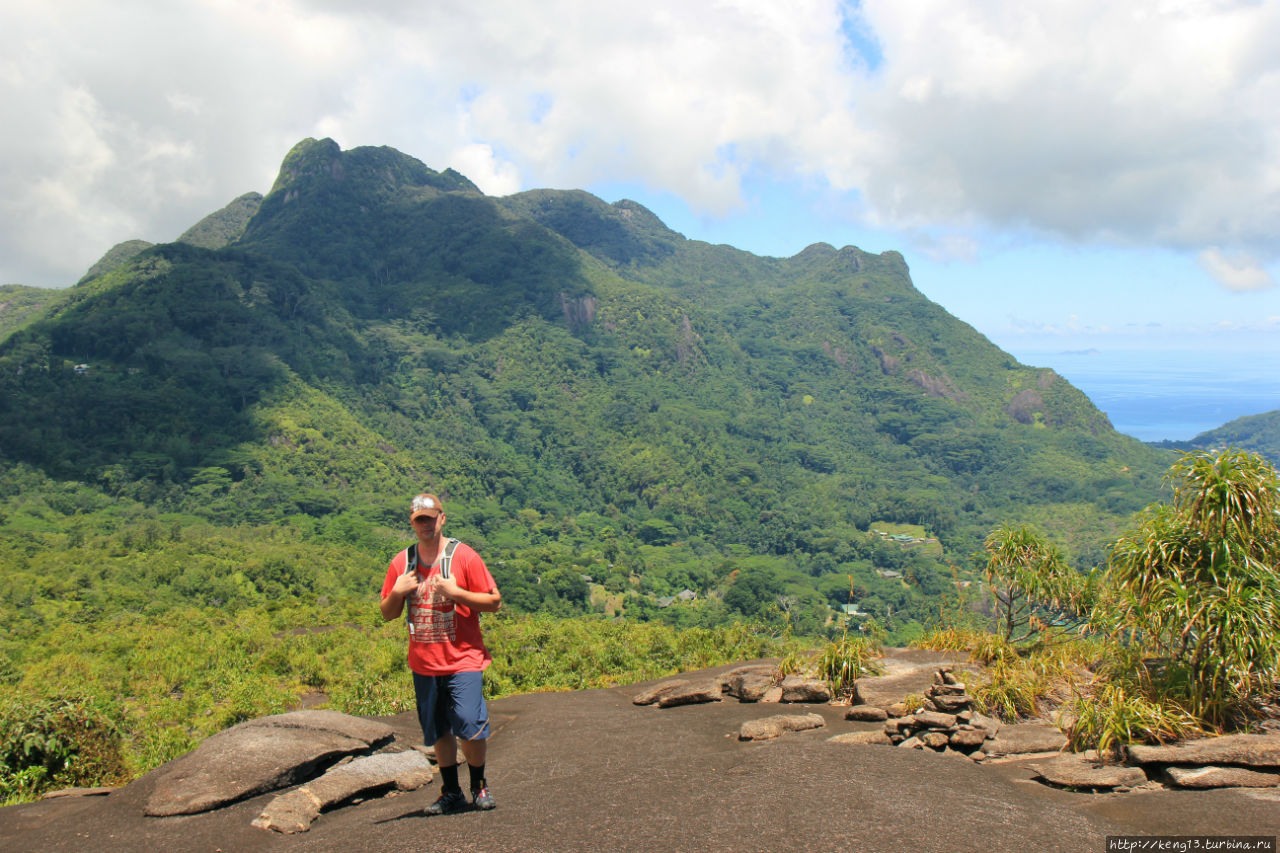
(1117, 714)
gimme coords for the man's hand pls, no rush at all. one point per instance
(447, 587)
(405, 584)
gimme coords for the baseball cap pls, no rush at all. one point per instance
(425, 505)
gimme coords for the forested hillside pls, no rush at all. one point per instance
(613, 413)
(1256, 433)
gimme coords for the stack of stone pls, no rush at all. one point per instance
(946, 723)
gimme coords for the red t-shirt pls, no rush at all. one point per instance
(444, 638)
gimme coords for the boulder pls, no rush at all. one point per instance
(866, 714)
(1221, 777)
(653, 694)
(779, 724)
(796, 688)
(258, 756)
(748, 683)
(296, 810)
(1076, 771)
(692, 694)
(1025, 737)
(1248, 750)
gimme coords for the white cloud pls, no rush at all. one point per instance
(491, 175)
(1091, 120)
(1144, 122)
(1238, 273)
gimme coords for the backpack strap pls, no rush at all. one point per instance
(411, 565)
(450, 546)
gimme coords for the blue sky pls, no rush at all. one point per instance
(1047, 181)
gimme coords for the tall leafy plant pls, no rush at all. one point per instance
(1195, 584)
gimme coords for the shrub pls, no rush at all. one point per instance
(55, 743)
(1195, 584)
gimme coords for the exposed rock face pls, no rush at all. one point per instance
(296, 810)
(261, 755)
(1247, 750)
(779, 724)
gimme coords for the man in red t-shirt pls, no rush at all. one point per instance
(446, 652)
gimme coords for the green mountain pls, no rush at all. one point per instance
(591, 393)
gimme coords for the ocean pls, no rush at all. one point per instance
(1168, 394)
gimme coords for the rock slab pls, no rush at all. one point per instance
(1247, 750)
(876, 737)
(778, 725)
(1076, 771)
(296, 810)
(1025, 737)
(1221, 777)
(692, 694)
(258, 756)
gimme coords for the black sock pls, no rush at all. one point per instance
(449, 776)
(477, 777)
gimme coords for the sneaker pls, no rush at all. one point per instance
(482, 799)
(448, 803)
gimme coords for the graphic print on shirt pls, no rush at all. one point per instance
(431, 615)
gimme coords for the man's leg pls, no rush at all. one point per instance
(470, 722)
(475, 751)
(432, 704)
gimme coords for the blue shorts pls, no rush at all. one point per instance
(451, 703)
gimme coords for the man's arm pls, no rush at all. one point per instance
(483, 602)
